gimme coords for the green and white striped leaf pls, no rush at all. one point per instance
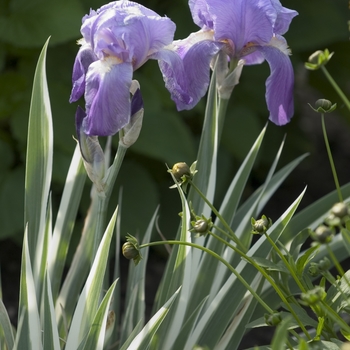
(143, 340)
(96, 335)
(90, 296)
(29, 329)
(135, 297)
(50, 330)
(65, 221)
(78, 271)
(212, 269)
(6, 326)
(38, 165)
(224, 307)
(183, 275)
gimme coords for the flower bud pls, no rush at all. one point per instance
(91, 152)
(131, 132)
(179, 170)
(131, 250)
(262, 225)
(340, 210)
(201, 226)
(313, 296)
(318, 59)
(324, 264)
(273, 319)
(323, 234)
(315, 57)
(323, 106)
(313, 270)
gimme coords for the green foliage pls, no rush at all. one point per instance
(214, 287)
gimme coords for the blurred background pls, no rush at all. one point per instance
(167, 136)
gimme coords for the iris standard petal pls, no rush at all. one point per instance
(128, 31)
(284, 17)
(201, 14)
(187, 77)
(82, 62)
(241, 21)
(280, 83)
(107, 97)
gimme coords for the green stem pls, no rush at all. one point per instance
(218, 215)
(267, 277)
(334, 316)
(104, 200)
(336, 87)
(222, 260)
(239, 277)
(335, 176)
(286, 263)
(335, 261)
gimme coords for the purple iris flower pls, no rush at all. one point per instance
(249, 30)
(117, 39)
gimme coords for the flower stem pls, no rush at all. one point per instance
(218, 257)
(104, 200)
(336, 87)
(267, 277)
(335, 176)
(283, 258)
(223, 221)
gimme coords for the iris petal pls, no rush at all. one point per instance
(107, 97)
(284, 17)
(187, 76)
(82, 62)
(280, 83)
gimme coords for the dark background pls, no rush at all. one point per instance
(167, 136)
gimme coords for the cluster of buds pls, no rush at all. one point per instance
(183, 174)
(313, 296)
(261, 226)
(131, 249)
(318, 59)
(338, 217)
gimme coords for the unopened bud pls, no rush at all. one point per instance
(340, 210)
(323, 106)
(318, 59)
(179, 170)
(324, 264)
(201, 226)
(323, 234)
(313, 296)
(91, 152)
(262, 225)
(313, 270)
(131, 250)
(131, 131)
